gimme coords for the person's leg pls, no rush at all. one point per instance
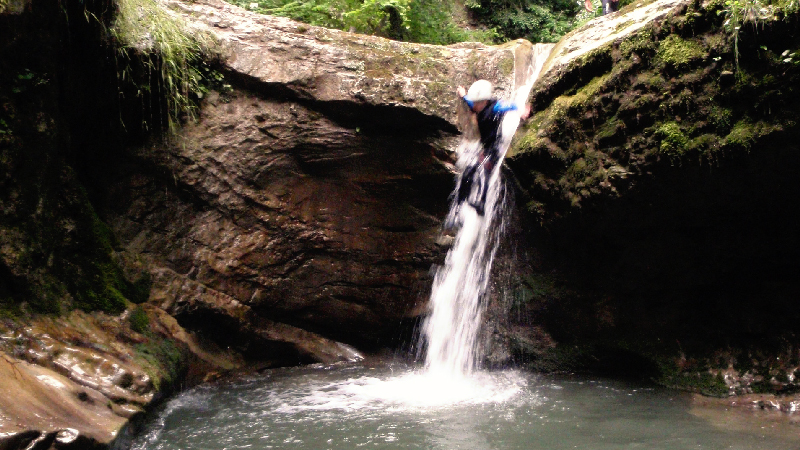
(482, 179)
(465, 185)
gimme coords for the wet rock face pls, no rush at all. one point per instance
(311, 194)
(658, 188)
(293, 216)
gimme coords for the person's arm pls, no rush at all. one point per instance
(462, 92)
(501, 107)
(524, 111)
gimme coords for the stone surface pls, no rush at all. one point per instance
(309, 198)
(81, 377)
(319, 64)
(606, 29)
(657, 186)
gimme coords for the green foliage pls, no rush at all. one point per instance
(431, 21)
(426, 21)
(138, 320)
(739, 12)
(536, 21)
(386, 17)
(169, 51)
(583, 16)
(382, 17)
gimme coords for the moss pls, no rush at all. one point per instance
(698, 379)
(762, 387)
(570, 105)
(742, 135)
(591, 88)
(706, 383)
(705, 144)
(382, 61)
(140, 291)
(528, 140)
(639, 43)
(608, 130)
(716, 43)
(673, 140)
(98, 281)
(623, 25)
(163, 361)
(720, 117)
(138, 320)
(652, 80)
(678, 52)
(506, 65)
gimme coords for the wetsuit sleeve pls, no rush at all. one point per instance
(500, 107)
(469, 103)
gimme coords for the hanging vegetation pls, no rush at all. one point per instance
(173, 57)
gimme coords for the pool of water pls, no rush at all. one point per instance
(396, 406)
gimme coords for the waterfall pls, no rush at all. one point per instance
(451, 330)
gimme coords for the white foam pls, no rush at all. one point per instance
(407, 392)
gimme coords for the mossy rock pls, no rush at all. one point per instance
(679, 53)
(673, 139)
(138, 320)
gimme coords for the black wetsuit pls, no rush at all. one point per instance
(489, 119)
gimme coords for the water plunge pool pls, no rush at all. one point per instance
(392, 405)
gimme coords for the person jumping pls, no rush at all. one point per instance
(489, 113)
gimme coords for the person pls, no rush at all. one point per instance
(489, 113)
(610, 6)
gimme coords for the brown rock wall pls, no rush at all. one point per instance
(311, 194)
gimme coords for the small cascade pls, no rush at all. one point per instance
(451, 330)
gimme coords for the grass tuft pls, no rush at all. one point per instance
(170, 52)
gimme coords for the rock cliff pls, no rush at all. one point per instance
(659, 179)
(310, 194)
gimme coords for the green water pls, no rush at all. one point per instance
(393, 406)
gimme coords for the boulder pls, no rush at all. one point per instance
(310, 194)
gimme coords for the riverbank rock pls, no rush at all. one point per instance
(75, 381)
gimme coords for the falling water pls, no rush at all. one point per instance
(451, 330)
